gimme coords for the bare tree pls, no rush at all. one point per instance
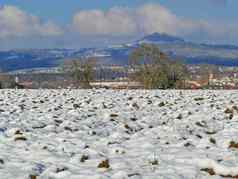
(153, 68)
(81, 70)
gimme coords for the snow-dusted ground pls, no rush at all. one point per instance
(63, 134)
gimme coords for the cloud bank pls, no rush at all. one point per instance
(16, 23)
(121, 21)
(117, 22)
(145, 20)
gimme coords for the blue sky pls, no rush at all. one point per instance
(56, 19)
(62, 10)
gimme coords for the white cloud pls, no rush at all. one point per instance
(146, 19)
(122, 21)
(114, 24)
(17, 23)
(117, 21)
(155, 18)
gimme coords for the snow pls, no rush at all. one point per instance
(58, 134)
(219, 169)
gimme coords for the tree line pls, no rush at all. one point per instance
(147, 65)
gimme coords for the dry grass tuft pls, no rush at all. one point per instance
(32, 177)
(212, 140)
(20, 138)
(235, 108)
(198, 99)
(211, 172)
(104, 164)
(228, 111)
(161, 104)
(154, 162)
(233, 145)
(84, 158)
(114, 115)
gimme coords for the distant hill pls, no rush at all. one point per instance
(161, 38)
(175, 47)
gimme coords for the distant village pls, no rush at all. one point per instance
(213, 77)
(117, 77)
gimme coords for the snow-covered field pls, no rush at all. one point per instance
(102, 134)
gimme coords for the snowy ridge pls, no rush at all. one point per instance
(175, 47)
